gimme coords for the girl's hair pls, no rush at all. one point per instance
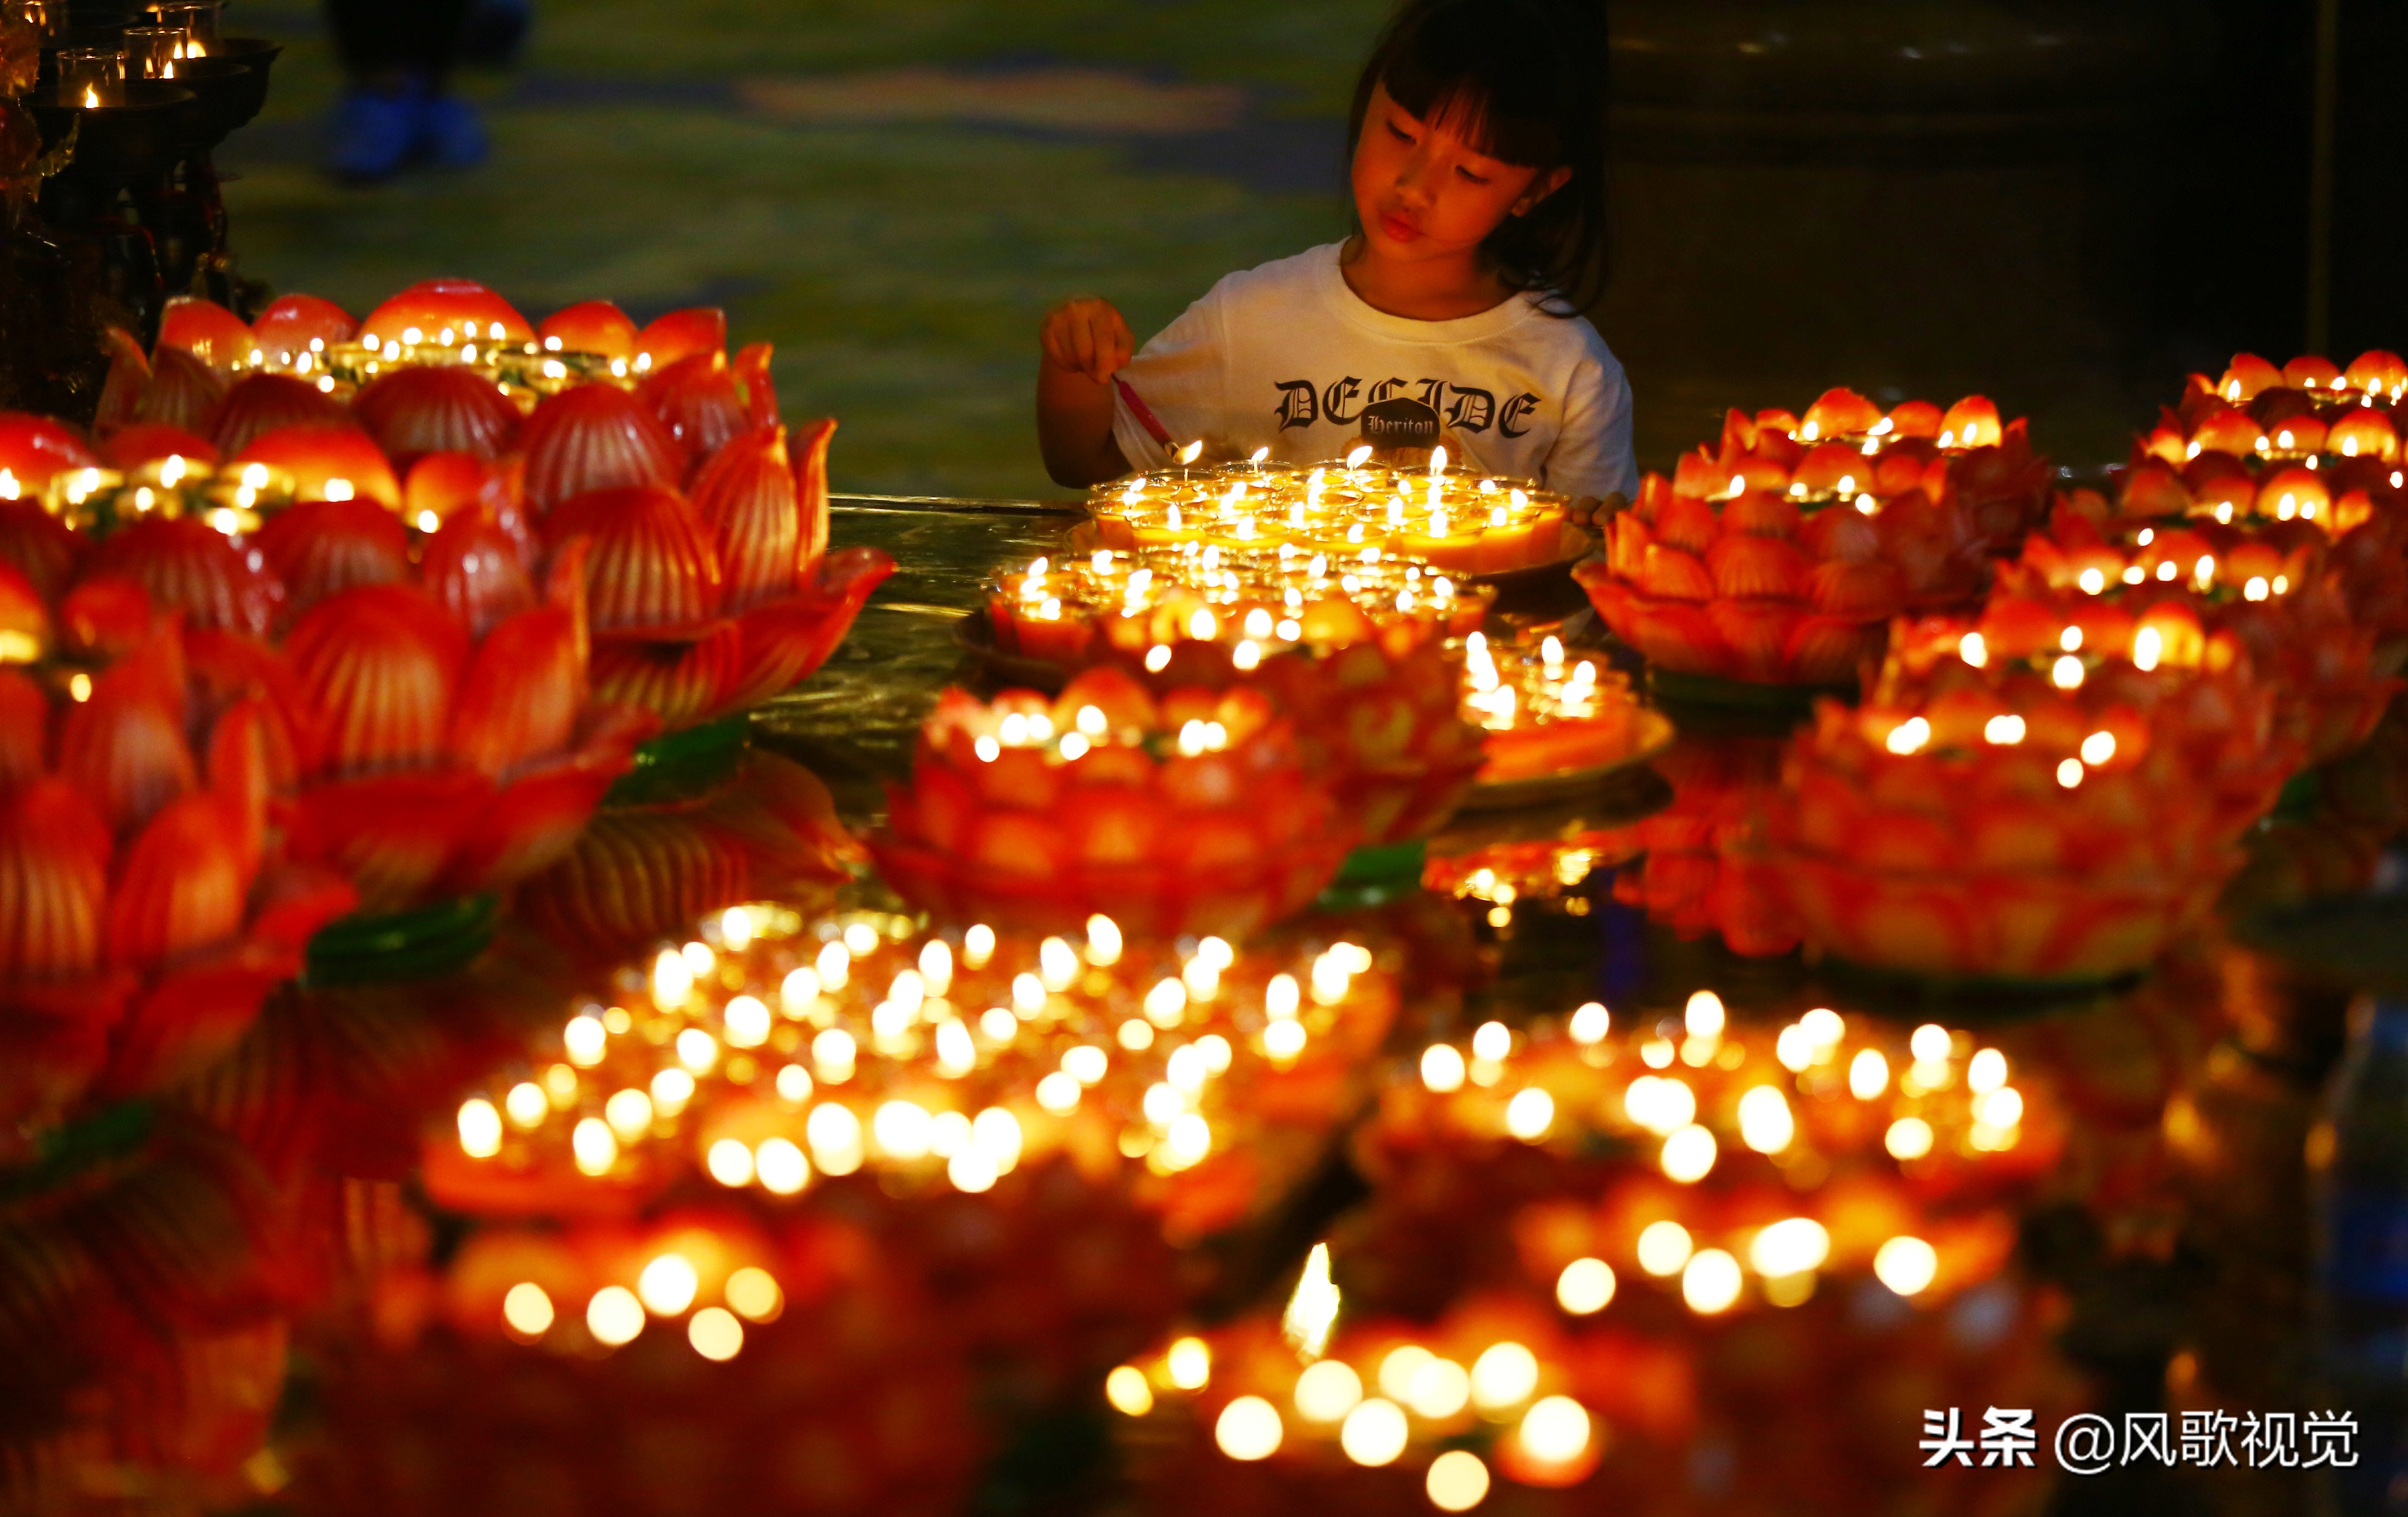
(1521, 80)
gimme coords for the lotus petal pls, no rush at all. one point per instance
(760, 390)
(1678, 636)
(226, 669)
(591, 326)
(651, 564)
(595, 437)
(321, 547)
(121, 393)
(290, 324)
(1972, 423)
(635, 875)
(55, 852)
(810, 451)
(429, 408)
(681, 334)
(2308, 372)
(746, 493)
(530, 824)
(1670, 574)
(1765, 514)
(1857, 591)
(1758, 634)
(1838, 413)
(378, 666)
(1688, 523)
(207, 330)
(391, 835)
(521, 694)
(187, 566)
(430, 308)
(181, 887)
(182, 393)
(1742, 565)
(697, 399)
(260, 404)
(193, 1017)
(24, 729)
(124, 747)
(2377, 369)
(786, 641)
(34, 448)
(142, 442)
(1831, 650)
(39, 545)
(242, 771)
(328, 461)
(473, 570)
(682, 683)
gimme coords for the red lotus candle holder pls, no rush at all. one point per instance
(154, 905)
(1779, 557)
(431, 727)
(702, 608)
(711, 585)
(1356, 650)
(2310, 617)
(2051, 794)
(1190, 814)
(804, 1337)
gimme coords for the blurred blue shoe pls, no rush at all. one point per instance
(449, 134)
(369, 137)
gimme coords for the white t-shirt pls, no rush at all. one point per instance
(1286, 356)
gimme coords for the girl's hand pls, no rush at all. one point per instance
(1086, 336)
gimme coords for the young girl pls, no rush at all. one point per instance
(1479, 180)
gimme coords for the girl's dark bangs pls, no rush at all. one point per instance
(1425, 79)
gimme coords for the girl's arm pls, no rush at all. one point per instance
(1085, 342)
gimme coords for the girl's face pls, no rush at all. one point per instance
(1420, 194)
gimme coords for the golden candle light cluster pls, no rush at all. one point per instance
(1545, 710)
(1758, 1158)
(1146, 609)
(780, 1050)
(1456, 519)
(1486, 1391)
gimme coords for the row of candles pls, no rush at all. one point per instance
(94, 76)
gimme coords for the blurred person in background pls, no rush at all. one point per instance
(398, 110)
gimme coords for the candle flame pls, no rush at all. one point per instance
(1193, 451)
(1438, 462)
(91, 99)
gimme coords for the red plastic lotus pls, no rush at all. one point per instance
(146, 902)
(701, 608)
(2309, 612)
(1779, 557)
(1359, 657)
(431, 726)
(1187, 815)
(2049, 794)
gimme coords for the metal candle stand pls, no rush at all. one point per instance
(140, 189)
